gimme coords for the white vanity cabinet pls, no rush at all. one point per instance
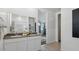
(23, 44)
(19, 44)
(34, 43)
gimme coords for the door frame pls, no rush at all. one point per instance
(57, 25)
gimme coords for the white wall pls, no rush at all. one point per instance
(67, 41)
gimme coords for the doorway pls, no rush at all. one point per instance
(59, 28)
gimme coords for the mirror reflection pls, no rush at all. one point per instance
(20, 24)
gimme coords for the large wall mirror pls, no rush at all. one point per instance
(21, 24)
(32, 25)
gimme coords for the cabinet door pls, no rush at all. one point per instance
(37, 43)
(1, 46)
(10, 46)
(22, 44)
(31, 44)
(34, 43)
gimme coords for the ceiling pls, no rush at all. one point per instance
(53, 9)
(26, 11)
(50, 9)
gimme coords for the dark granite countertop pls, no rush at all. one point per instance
(19, 36)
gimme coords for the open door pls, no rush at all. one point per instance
(59, 28)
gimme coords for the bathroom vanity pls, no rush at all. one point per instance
(17, 28)
(32, 43)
